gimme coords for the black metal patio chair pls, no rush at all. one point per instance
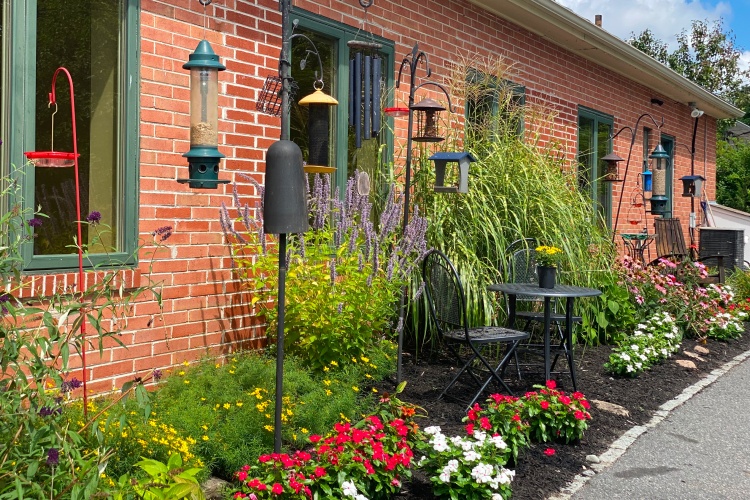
(447, 303)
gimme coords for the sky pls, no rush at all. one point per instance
(667, 18)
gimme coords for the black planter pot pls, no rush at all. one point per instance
(546, 276)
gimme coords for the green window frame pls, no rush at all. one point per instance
(668, 143)
(21, 128)
(337, 35)
(488, 100)
(595, 142)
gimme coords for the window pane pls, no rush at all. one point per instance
(585, 152)
(603, 189)
(83, 37)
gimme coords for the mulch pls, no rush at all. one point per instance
(539, 476)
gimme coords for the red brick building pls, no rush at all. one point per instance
(133, 106)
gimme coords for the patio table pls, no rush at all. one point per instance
(636, 244)
(568, 292)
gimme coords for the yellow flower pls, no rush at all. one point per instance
(186, 381)
(334, 363)
(181, 373)
(367, 375)
(227, 406)
(373, 366)
(269, 428)
(355, 388)
(374, 390)
(354, 360)
(327, 382)
(204, 427)
(185, 363)
(344, 418)
(231, 372)
(239, 404)
(304, 431)
(325, 368)
(364, 359)
(328, 392)
(217, 365)
(205, 438)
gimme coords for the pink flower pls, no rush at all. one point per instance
(549, 452)
(544, 405)
(484, 422)
(579, 415)
(551, 384)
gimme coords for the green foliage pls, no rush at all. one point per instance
(170, 481)
(44, 454)
(345, 274)
(470, 467)
(706, 55)
(739, 282)
(228, 408)
(651, 343)
(727, 325)
(616, 313)
(733, 174)
(555, 416)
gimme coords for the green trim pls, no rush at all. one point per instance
(21, 95)
(518, 91)
(341, 34)
(668, 142)
(597, 118)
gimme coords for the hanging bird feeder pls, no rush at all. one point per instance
(52, 158)
(610, 171)
(396, 111)
(659, 198)
(204, 156)
(319, 104)
(692, 185)
(441, 163)
(428, 112)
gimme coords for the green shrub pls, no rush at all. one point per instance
(344, 278)
(228, 408)
(555, 416)
(501, 415)
(651, 342)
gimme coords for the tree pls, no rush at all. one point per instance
(706, 55)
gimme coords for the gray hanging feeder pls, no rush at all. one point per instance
(441, 162)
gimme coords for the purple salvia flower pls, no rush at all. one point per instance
(94, 218)
(391, 264)
(53, 457)
(340, 308)
(419, 291)
(361, 263)
(302, 245)
(353, 235)
(35, 222)
(157, 374)
(400, 325)
(262, 237)
(369, 281)
(332, 265)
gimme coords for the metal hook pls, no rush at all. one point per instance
(52, 139)
(364, 3)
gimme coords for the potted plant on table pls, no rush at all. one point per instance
(547, 259)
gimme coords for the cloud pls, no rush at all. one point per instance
(666, 18)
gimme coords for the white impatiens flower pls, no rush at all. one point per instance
(452, 466)
(498, 442)
(634, 347)
(349, 489)
(629, 368)
(625, 357)
(434, 429)
(445, 476)
(480, 436)
(471, 456)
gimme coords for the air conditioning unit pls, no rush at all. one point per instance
(727, 242)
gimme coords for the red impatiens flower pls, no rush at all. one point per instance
(314, 438)
(277, 489)
(484, 422)
(549, 452)
(544, 405)
(470, 429)
(551, 384)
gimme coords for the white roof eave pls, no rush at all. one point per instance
(566, 29)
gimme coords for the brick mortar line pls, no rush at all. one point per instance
(621, 444)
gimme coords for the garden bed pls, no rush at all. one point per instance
(538, 475)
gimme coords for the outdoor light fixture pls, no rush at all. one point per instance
(659, 198)
(204, 156)
(317, 129)
(610, 172)
(441, 162)
(694, 111)
(428, 111)
(692, 185)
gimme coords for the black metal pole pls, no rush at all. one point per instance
(691, 228)
(284, 67)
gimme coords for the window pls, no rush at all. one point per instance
(492, 106)
(330, 39)
(96, 41)
(595, 142)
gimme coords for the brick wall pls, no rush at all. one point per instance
(204, 312)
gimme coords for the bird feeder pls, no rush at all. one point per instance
(692, 185)
(204, 156)
(659, 198)
(427, 111)
(648, 184)
(319, 105)
(396, 111)
(441, 163)
(284, 199)
(610, 171)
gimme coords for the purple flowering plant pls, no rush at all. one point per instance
(344, 275)
(46, 452)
